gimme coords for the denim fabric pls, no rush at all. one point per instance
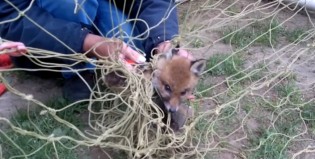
(51, 15)
(65, 9)
(110, 21)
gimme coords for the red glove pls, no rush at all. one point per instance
(5, 61)
(2, 88)
(8, 49)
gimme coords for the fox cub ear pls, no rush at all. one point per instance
(198, 66)
(166, 56)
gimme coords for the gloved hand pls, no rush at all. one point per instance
(166, 45)
(13, 48)
(98, 46)
(8, 49)
(130, 57)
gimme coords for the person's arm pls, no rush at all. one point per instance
(161, 33)
(24, 30)
(153, 12)
(41, 30)
(98, 46)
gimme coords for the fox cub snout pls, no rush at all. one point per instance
(175, 77)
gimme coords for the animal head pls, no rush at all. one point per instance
(175, 78)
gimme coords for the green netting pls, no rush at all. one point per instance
(255, 99)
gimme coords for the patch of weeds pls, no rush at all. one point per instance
(204, 128)
(291, 77)
(71, 114)
(227, 111)
(258, 33)
(238, 38)
(227, 121)
(308, 115)
(228, 65)
(247, 107)
(270, 105)
(44, 125)
(290, 90)
(271, 145)
(202, 125)
(295, 35)
(289, 123)
(235, 88)
(197, 43)
(202, 85)
(14, 76)
(258, 72)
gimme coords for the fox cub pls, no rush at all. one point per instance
(175, 77)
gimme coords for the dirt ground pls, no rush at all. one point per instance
(43, 90)
(298, 59)
(303, 66)
(289, 57)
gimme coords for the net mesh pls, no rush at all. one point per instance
(255, 99)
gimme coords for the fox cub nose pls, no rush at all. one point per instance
(170, 108)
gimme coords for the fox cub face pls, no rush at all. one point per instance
(175, 78)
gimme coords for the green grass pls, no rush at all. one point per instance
(267, 140)
(262, 33)
(286, 93)
(288, 89)
(259, 33)
(308, 114)
(289, 123)
(295, 35)
(221, 65)
(273, 143)
(227, 121)
(202, 125)
(228, 65)
(197, 43)
(269, 145)
(258, 71)
(44, 125)
(202, 85)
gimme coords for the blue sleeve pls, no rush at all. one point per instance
(35, 27)
(153, 12)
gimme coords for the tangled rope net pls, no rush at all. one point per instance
(253, 101)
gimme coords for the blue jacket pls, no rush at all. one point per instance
(26, 28)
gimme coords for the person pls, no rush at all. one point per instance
(95, 27)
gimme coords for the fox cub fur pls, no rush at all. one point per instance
(175, 78)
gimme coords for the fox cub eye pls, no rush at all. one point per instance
(167, 88)
(184, 92)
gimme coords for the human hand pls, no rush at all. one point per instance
(165, 46)
(13, 48)
(98, 46)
